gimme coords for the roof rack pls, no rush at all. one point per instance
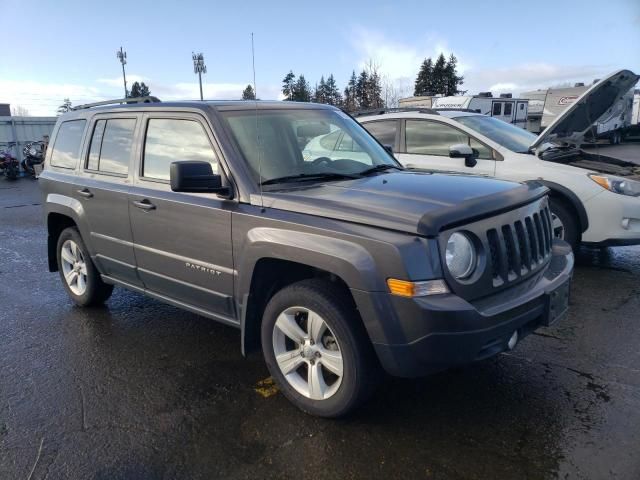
(453, 109)
(149, 99)
(381, 111)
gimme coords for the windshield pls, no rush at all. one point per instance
(509, 136)
(309, 143)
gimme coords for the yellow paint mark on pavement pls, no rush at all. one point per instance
(266, 387)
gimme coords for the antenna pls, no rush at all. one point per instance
(255, 100)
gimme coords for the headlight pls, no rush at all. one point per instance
(620, 185)
(460, 256)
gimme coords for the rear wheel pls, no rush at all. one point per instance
(78, 273)
(564, 223)
(317, 350)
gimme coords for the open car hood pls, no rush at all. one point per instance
(573, 124)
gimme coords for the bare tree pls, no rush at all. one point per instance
(395, 89)
(19, 111)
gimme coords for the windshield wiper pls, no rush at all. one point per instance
(303, 177)
(380, 168)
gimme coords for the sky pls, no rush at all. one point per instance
(67, 48)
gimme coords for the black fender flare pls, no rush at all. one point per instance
(573, 200)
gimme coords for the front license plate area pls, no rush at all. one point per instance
(558, 305)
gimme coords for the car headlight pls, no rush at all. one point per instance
(460, 256)
(620, 185)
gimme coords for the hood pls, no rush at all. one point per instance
(413, 202)
(573, 124)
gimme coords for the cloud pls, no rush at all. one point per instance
(530, 76)
(43, 98)
(400, 62)
(396, 60)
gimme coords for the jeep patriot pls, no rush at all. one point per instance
(336, 268)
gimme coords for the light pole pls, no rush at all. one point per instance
(122, 56)
(199, 67)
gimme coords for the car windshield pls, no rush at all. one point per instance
(509, 136)
(305, 145)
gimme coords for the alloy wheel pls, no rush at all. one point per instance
(307, 353)
(74, 267)
(557, 227)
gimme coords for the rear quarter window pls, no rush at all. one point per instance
(66, 149)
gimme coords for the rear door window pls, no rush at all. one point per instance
(66, 149)
(111, 143)
(497, 108)
(384, 131)
(432, 138)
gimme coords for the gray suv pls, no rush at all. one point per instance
(337, 268)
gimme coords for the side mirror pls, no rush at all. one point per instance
(389, 149)
(462, 150)
(196, 177)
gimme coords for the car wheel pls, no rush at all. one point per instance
(563, 223)
(317, 350)
(78, 273)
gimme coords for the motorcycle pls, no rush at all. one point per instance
(9, 165)
(33, 153)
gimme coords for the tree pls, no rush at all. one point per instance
(350, 101)
(362, 100)
(439, 76)
(333, 96)
(424, 80)
(320, 95)
(248, 93)
(452, 80)
(139, 90)
(288, 85)
(19, 111)
(65, 107)
(301, 92)
(373, 86)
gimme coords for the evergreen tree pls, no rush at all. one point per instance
(374, 88)
(301, 92)
(248, 93)
(350, 102)
(288, 85)
(362, 99)
(321, 92)
(439, 76)
(332, 92)
(424, 80)
(139, 90)
(453, 81)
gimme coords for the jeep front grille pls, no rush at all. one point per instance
(519, 248)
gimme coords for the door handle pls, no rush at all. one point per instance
(85, 192)
(145, 205)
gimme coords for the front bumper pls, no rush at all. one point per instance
(415, 337)
(614, 220)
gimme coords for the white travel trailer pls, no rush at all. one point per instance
(547, 104)
(504, 107)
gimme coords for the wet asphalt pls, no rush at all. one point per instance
(141, 390)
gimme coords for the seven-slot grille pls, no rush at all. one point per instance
(521, 247)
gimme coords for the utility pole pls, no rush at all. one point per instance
(199, 67)
(122, 56)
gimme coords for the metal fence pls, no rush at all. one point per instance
(23, 130)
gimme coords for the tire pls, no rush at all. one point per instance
(567, 221)
(74, 263)
(341, 336)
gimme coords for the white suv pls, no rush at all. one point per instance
(595, 199)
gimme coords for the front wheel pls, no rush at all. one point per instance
(564, 223)
(78, 273)
(317, 350)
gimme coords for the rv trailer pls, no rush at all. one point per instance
(505, 107)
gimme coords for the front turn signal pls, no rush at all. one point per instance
(405, 288)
